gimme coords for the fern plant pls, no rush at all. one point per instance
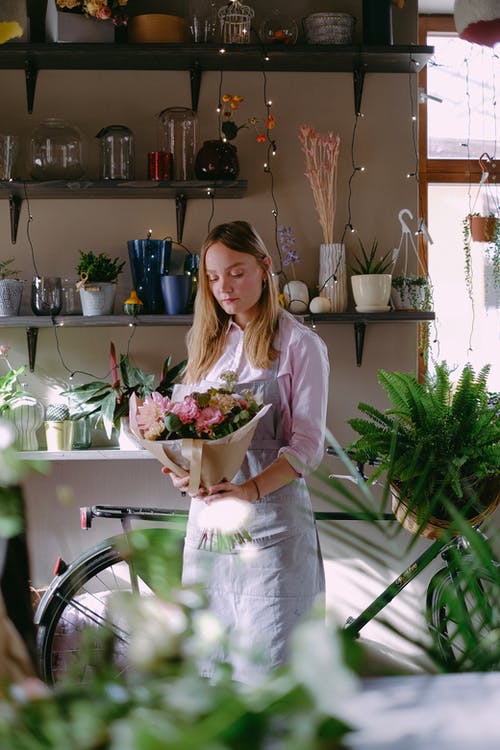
(99, 268)
(437, 442)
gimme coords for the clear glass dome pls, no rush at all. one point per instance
(278, 28)
(56, 151)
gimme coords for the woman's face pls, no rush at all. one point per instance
(235, 280)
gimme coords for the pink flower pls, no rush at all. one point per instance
(208, 417)
(151, 413)
(104, 13)
(187, 410)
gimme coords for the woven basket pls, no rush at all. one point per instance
(329, 28)
(435, 527)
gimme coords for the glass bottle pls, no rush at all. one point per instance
(56, 151)
(116, 153)
(178, 135)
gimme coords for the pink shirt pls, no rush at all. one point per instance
(303, 373)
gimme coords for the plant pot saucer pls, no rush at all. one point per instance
(373, 308)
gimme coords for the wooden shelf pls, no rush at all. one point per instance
(92, 454)
(91, 321)
(196, 58)
(122, 189)
(32, 323)
(18, 190)
(400, 58)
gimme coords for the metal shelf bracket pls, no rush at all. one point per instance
(14, 210)
(180, 212)
(195, 79)
(358, 76)
(359, 340)
(30, 74)
(32, 336)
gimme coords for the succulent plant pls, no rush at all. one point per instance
(56, 413)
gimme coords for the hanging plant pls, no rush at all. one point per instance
(484, 229)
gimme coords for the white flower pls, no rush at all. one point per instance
(227, 516)
(155, 627)
(317, 662)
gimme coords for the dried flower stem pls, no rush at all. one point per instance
(322, 153)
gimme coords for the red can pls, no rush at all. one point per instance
(159, 165)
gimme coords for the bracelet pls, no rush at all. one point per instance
(257, 488)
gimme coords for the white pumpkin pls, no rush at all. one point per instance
(296, 296)
(320, 305)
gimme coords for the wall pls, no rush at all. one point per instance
(60, 228)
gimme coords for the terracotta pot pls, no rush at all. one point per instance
(483, 228)
(217, 160)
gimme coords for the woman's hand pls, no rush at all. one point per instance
(248, 491)
(182, 483)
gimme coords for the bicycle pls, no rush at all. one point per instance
(76, 597)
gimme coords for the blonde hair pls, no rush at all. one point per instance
(207, 336)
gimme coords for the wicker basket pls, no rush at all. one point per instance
(329, 28)
(435, 527)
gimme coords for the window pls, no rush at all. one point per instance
(459, 175)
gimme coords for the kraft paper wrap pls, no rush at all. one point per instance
(207, 462)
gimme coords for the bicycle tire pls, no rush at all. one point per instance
(475, 643)
(73, 602)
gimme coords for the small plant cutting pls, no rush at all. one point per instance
(109, 401)
(95, 268)
(370, 262)
(438, 443)
(6, 272)
(206, 435)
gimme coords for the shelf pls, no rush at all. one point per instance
(32, 323)
(93, 454)
(398, 58)
(122, 189)
(18, 190)
(196, 58)
(92, 321)
(361, 319)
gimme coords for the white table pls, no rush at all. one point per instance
(426, 712)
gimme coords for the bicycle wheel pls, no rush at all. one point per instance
(76, 602)
(463, 616)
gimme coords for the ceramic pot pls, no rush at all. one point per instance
(149, 259)
(296, 296)
(217, 160)
(11, 293)
(98, 298)
(176, 293)
(371, 291)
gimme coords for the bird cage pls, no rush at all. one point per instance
(235, 21)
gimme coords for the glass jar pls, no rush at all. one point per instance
(116, 153)
(278, 28)
(178, 135)
(56, 151)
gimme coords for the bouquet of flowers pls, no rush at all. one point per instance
(205, 435)
(103, 10)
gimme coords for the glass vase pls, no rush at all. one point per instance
(333, 275)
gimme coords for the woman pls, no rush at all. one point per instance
(239, 326)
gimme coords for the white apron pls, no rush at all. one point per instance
(261, 597)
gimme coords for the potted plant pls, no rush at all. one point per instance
(11, 289)
(411, 292)
(98, 274)
(371, 279)
(438, 444)
(109, 401)
(484, 229)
